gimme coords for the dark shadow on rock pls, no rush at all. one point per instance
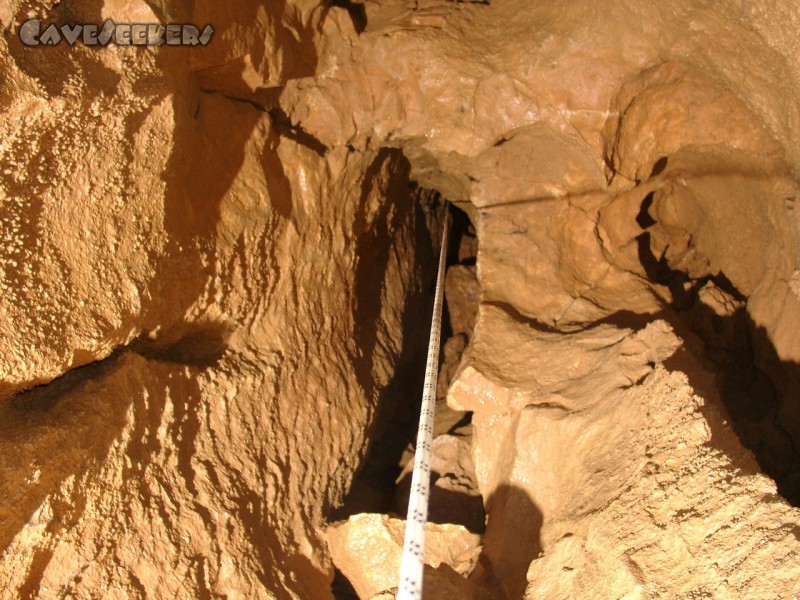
(756, 392)
(728, 358)
(398, 403)
(357, 12)
(511, 542)
(626, 319)
(460, 227)
(445, 505)
(200, 345)
(777, 418)
(208, 152)
(341, 587)
(278, 186)
(284, 126)
(373, 249)
(49, 433)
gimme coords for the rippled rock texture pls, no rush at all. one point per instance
(216, 269)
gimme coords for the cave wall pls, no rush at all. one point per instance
(196, 301)
(214, 267)
(632, 175)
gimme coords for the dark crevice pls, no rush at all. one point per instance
(460, 424)
(357, 12)
(258, 106)
(683, 290)
(398, 402)
(202, 345)
(447, 506)
(377, 487)
(44, 396)
(373, 488)
(463, 245)
(341, 587)
(625, 319)
(517, 316)
(197, 344)
(286, 128)
(280, 120)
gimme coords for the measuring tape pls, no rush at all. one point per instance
(412, 564)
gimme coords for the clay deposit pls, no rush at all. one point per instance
(216, 268)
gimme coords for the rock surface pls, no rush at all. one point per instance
(590, 454)
(215, 267)
(462, 293)
(368, 548)
(172, 239)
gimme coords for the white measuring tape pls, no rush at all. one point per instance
(412, 565)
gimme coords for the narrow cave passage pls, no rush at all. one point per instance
(381, 484)
(710, 341)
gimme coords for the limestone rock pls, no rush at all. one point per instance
(555, 459)
(462, 294)
(685, 517)
(177, 238)
(651, 127)
(256, 45)
(367, 548)
(214, 262)
(452, 352)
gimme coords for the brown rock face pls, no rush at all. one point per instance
(215, 291)
(173, 234)
(463, 296)
(368, 549)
